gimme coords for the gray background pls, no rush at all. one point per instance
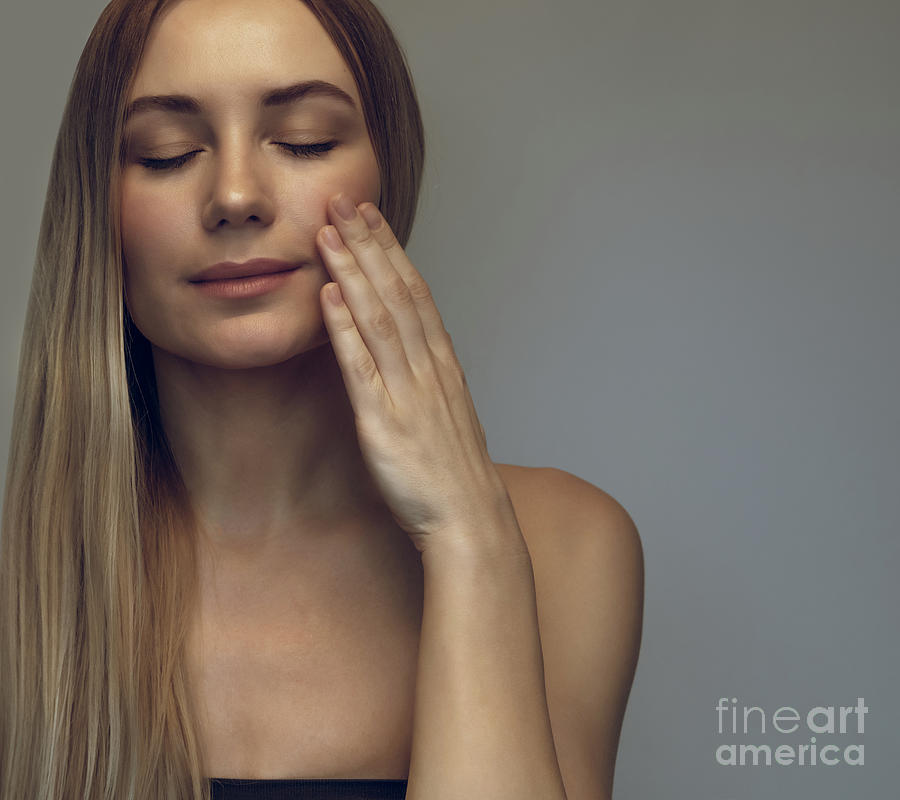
(665, 239)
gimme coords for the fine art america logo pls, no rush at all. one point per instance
(840, 724)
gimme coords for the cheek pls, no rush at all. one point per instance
(368, 179)
(134, 234)
(149, 230)
(358, 176)
(140, 223)
(304, 204)
(152, 225)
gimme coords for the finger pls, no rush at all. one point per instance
(433, 326)
(373, 322)
(451, 373)
(388, 284)
(361, 375)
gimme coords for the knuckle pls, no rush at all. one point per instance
(344, 323)
(445, 345)
(381, 322)
(343, 265)
(456, 371)
(450, 364)
(396, 292)
(364, 237)
(419, 290)
(385, 236)
(362, 365)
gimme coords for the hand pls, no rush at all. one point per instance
(417, 428)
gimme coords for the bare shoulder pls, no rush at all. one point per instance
(588, 567)
(563, 516)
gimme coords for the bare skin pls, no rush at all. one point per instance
(305, 665)
(292, 529)
(303, 653)
(317, 680)
(250, 393)
(313, 677)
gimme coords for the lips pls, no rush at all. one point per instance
(231, 269)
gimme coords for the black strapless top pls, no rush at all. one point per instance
(307, 789)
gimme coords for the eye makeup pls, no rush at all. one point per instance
(314, 150)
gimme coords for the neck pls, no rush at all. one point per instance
(269, 455)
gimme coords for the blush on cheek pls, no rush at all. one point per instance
(134, 214)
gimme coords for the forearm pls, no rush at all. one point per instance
(481, 726)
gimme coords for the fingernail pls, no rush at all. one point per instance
(330, 235)
(371, 216)
(344, 206)
(333, 293)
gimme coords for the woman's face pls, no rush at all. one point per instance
(243, 193)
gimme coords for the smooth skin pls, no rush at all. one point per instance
(387, 323)
(376, 594)
(418, 430)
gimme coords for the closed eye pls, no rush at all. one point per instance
(316, 150)
(168, 163)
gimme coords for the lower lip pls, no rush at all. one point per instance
(245, 287)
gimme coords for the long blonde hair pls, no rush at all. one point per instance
(97, 552)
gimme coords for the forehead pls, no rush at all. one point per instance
(223, 50)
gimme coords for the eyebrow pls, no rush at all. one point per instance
(280, 96)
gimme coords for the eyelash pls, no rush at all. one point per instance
(316, 150)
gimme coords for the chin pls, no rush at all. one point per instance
(246, 353)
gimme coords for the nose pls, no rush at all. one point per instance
(239, 194)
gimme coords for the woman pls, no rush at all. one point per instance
(251, 527)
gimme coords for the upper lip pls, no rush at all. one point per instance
(231, 269)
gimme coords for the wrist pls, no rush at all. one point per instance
(489, 543)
